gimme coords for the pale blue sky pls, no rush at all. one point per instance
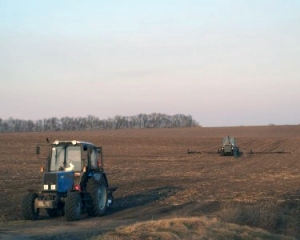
(226, 63)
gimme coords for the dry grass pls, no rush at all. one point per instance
(278, 217)
(187, 228)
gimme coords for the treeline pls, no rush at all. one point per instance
(154, 120)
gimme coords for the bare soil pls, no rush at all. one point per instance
(157, 179)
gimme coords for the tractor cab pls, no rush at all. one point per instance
(74, 156)
(229, 141)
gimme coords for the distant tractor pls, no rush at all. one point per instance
(229, 147)
(74, 181)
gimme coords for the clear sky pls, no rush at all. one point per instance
(226, 63)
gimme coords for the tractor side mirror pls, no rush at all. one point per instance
(37, 150)
(99, 150)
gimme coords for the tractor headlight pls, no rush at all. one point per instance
(53, 187)
(45, 187)
(74, 142)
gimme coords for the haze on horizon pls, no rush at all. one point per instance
(226, 63)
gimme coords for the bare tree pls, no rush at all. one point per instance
(153, 120)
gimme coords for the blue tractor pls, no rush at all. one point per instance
(74, 182)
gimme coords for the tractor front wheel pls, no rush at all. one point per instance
(98, 194)
(73, 206)
(222, 153)
(28, 209)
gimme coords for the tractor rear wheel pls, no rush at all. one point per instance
(28, 209)
(73, 206)
(98, 194)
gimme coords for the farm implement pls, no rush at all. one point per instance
(202, 152)
(229, 148)
(270, 152)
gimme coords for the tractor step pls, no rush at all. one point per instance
(112, 189)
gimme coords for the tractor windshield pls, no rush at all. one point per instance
(66, 158)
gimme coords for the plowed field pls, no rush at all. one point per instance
(157, 179)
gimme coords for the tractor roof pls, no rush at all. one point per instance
(73, 142)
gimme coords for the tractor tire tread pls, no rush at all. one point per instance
(28, 206)
(92, 188)
(72, 201)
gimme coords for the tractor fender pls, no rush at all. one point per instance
(98, 177)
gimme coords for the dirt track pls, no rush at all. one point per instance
(156, 178)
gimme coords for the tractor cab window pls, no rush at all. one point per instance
(57, 158)
(66, 158)
(232, 141)
(73, 158)
(94, 160)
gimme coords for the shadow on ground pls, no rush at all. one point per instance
(143, 198)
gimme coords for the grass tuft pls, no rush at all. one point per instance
(188, 228)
